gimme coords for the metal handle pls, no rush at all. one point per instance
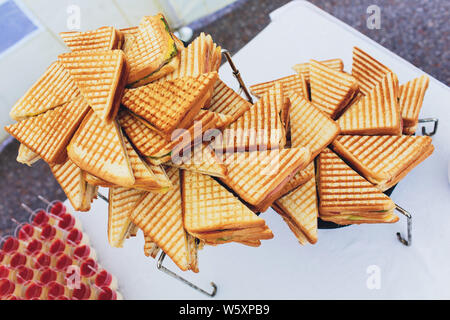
(176, 276)
(426, 120)
(101, 196)
(409, 226)
(237, 75)
(171, 273)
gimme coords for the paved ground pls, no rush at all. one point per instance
(417, 30)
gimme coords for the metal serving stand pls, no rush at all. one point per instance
(321, 224)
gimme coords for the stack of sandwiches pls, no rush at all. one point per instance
(359, 129)
(190, 162)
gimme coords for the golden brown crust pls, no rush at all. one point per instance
(104, 38)
(100, 76)
(259, 177)
(331, 90)
(342, 190)
(389, 218)
(383, 169)
(172, 104)
(97, 148)
(48, 134)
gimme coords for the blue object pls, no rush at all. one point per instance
(14, 25)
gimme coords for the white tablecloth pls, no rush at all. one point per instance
(339, 265)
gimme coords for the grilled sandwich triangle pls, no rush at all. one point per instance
(53, 89)
(304, 68)
(383, 160)
(104, 38)
(160, 217)
(259, 128)
(152, 48)
(259, 177)
(171, 104)
(331, 90)
(347, 198)
(367, 70)
(300, 211)
(411, 99)
(48, 134)
(100, 76)
(77, 190)
(209, 207)
(310, 127)
(377, 113)
(121, 203)
(98, 148)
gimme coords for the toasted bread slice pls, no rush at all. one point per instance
(252, 243)
(259, 231)
(53, 89)
(410, 130)
(278, 98)
(101, 78)
(166, 69)
(194, 59)
(259, 128)
(128, 35)
(156, 148)
(310, 127)
(304, 68)
(299, 178)
(77, 190)
(216, 58)
(201, 159)
(377, 113)
(236, 235)
(147, 142)
(331, 90)
(299, 207)
(130, 30)
(160, 217)
(343, 193)
(134, 229)
(367, 71)
(49, 133)
(104, 38)
(144, 177)
(223, 120)
(227, 101)
(411, 99)
(291, 84)
(347, 219)
(240, 239)
(172, 104)
(267, 235)
(151, 249)
(152, 48)
(121, 203)
(26, 156)
(259, 177)
(159, 173)
(98, 148)
(96, 181)
(193, 253)
(207, 206)
(383, 160)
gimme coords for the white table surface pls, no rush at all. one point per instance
(336, 267)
